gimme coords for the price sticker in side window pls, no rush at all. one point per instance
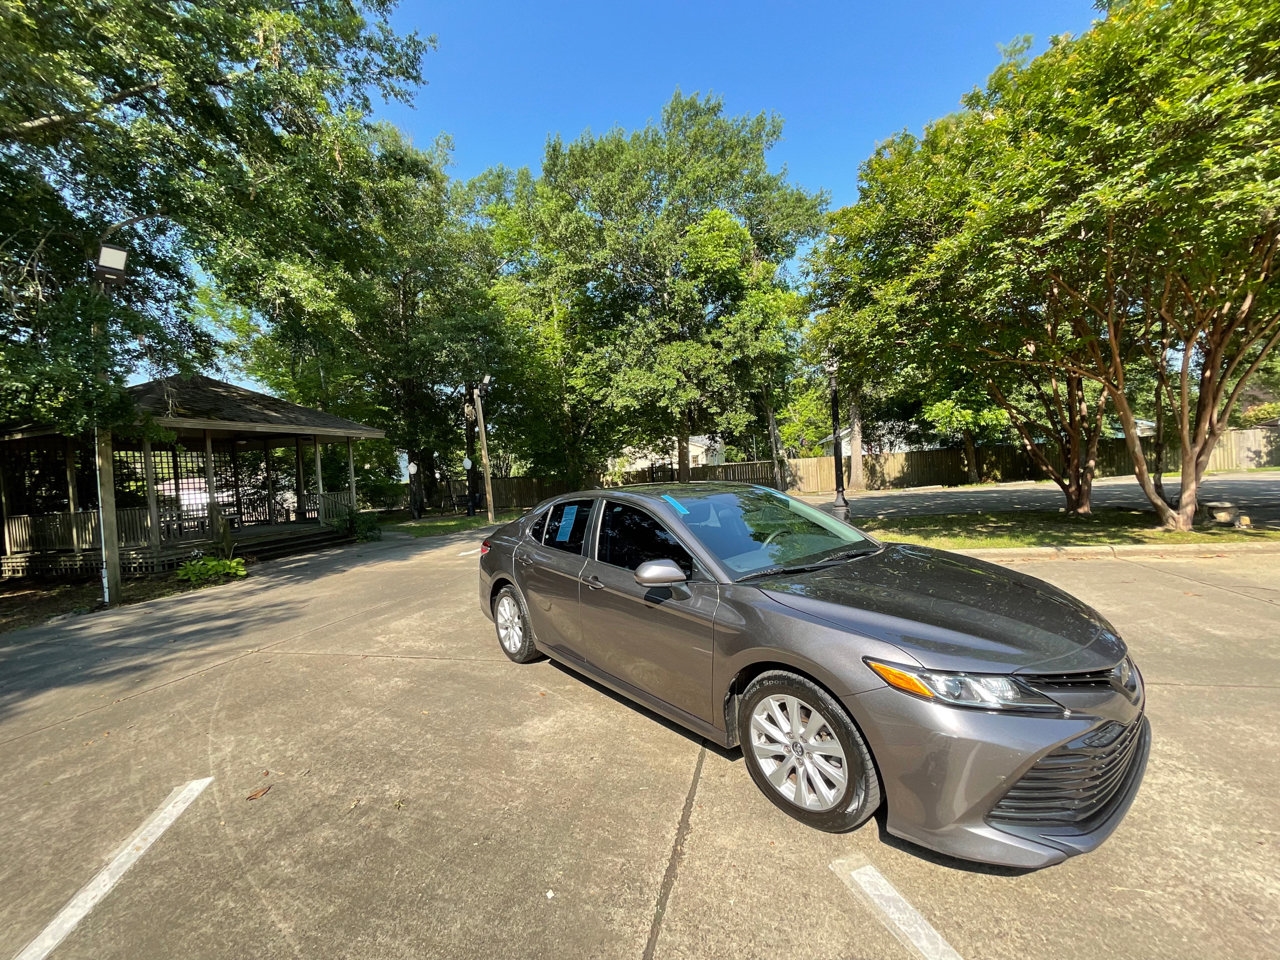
(566, 524)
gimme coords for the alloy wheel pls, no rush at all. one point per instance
(798, 752)
(510, 624)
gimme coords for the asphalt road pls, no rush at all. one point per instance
(428, 798)
(1257, 495)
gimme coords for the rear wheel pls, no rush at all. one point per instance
(514, 635)
(805, 754)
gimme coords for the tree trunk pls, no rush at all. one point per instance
(427, 478)
(1133, 444)
(1159, 444)
(971, 457)
(416, 496)
(857, 477)
(773, 448)
(682, 452)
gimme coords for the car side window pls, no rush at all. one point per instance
(567, 525)
(629, 537)
(539, 526)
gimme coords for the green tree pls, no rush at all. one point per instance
(651, 273)
(191, 134)
(1137, 184)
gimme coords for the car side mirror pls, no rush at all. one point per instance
(659, 573)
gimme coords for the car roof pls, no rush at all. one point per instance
(696, 490)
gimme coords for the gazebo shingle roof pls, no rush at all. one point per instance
(202, 403)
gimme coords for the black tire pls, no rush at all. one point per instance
(511, 620)
(812, 769)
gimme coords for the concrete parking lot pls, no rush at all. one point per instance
(428, 798)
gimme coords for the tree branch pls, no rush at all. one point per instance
(21, 131)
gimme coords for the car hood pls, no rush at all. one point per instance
(951, 612)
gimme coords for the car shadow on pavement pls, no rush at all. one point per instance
(941, 859)
(733, 756)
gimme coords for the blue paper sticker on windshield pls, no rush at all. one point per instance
(680, 507)
(566, 524)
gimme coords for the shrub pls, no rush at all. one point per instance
(365, 526)
(202, 570)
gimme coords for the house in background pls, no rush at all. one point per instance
(703, 451)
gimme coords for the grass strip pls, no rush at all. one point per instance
(1045, 528)
(439, 526)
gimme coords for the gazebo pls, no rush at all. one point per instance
(238, 467)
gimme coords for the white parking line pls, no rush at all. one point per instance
(903, 920)
(125, 857)
(470, 553)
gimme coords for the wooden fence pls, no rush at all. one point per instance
(509, 493)
(1235, 450)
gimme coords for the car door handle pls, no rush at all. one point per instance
(594, 582)
(524, 561)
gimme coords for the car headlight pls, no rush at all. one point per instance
(978, 690)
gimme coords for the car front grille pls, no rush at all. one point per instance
(1060, 681)
(1077, 781)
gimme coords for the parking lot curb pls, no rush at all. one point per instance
(1120, 551)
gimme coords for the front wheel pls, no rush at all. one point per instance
(514, 635)
(805, 754)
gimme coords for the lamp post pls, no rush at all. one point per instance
(837, 452)
(110, 268)
(480, 391)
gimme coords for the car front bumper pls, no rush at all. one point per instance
(952, 775)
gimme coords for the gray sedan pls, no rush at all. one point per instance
(996, 717)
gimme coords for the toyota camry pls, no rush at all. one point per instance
(994, 716)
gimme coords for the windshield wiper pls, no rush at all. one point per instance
(809, 567)
(775, 571)
(849, 554)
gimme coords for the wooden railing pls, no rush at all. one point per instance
(336, 509)
(52, 532)
(56, 532)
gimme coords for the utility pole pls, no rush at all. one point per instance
(840, 502)
(484, 445)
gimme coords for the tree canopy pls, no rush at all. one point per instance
(209, 136)
(1105, 209)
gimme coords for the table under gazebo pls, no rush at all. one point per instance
(240, 465)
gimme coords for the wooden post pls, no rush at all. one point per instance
(153, 506)
(351, 474)
(210, 484)
(73, 499)
(299, 485)
(271, 488)
(235, 480)
(484, 453)
(111, 583)
(319, 483)
(4, 510)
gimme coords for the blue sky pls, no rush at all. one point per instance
(843, 76)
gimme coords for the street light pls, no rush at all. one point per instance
(110, 265)
(837, 452)
(109, 268)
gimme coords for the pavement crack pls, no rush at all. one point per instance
(673, 862)
(1202, 583)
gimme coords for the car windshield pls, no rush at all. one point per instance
(758, 530)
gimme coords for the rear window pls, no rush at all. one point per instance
(567, 525)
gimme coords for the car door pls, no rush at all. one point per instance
(549, 568)
(655, 639)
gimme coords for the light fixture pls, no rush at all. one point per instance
(111, 264)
